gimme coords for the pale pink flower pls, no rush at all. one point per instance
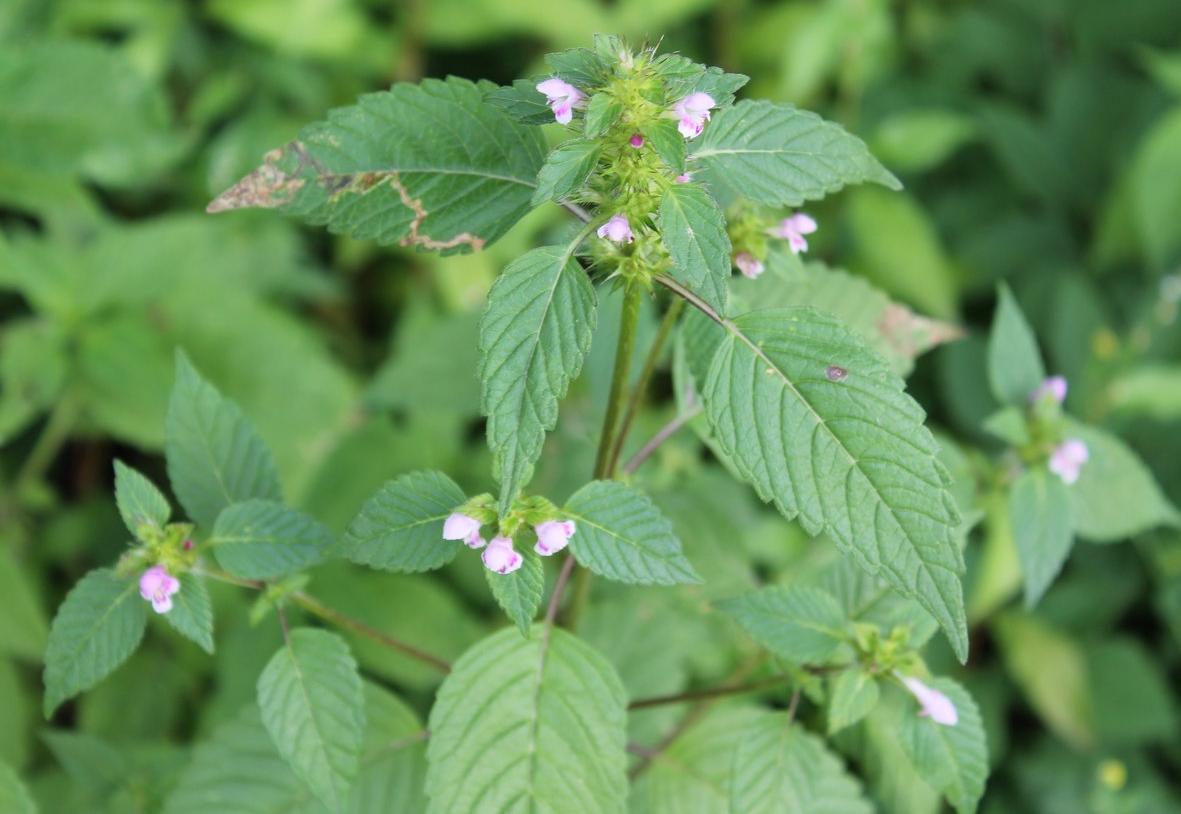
(684, 178)
(500, 556)
(561, 96)
(934, 704)
(617, 229)
(1067, 459)
(157, 586)
(692, 113)
(1055, 387)
(553, 536)
(748, 264)
(459, 526)
(793, 230)
(636, 141)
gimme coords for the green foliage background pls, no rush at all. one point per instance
(1039, 142)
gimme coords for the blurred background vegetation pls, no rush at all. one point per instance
(1039, 141)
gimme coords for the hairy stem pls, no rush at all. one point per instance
(694, 300)
(628, 322)
(709, 692)
(637, 394)
(339, 618)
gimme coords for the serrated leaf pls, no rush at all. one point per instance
(602, 111)
(1115, 496)
(535, 724)
(1040, 511)
(778, 155)
(821, 427)
(237, 770)
(404, 166)
(311, 704)
(693, 228)
(140, 502)
(952, 759)
(683, 76)
(215, 456)
(100, 624)
(401, 527)
(854, 695)
(578, 66)
(14, 797)
(566, 169)
(522, 101)
(781, 769)
(890, 328)
(621, 535)
(1014, 362)
(534, 335)
(192, 612)
(263, 539)
(803, 625)
(667, 141)
(519, 593)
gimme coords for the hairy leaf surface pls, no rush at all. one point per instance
(401, 527)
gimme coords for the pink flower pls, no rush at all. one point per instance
(636, 141)
(934, 704)
(562, 97)
(1067, 459)
(692, 113)
(617, 229)
(748, 264)
(684, 178)
(157, 586)
(500, 557)
(553, 536)
(1054, 387)
(459, 526)
(793, 230)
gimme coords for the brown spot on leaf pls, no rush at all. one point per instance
(836, 373)
(416, 237)
(910, 334)
(267, 187)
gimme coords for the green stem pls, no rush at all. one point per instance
(53, 436)
(628, 322)
(637, 394)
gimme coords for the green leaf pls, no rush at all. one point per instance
(802, 625)
(14, 797)
(778, 155)
(854, 695)
(694, 232)
(952, 759)
(534, 724)
(533, 337)
(890, 328)
(566, 169)
(404, 166)
(263, 539)
(683, 76)
(1014, 362)
(519, 593)
(1133, 701)
(781, 769)
(1040, 509)
(821, 427)
(140, 502)
(1115, 496)
(621, 535)
(312, 706)
(579, 66)
(401, 527)
(920, 139)
(99, 625)
(1010, 424)
(522, 102)
(192, 612)
(215, 456)
(667, 141)
(602, 111)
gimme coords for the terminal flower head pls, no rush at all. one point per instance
(1067, 459)
(617, 229)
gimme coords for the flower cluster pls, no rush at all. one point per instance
(499, 554)
(157, 586)
(792, 229)
(1068, 457)
(562, 98)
